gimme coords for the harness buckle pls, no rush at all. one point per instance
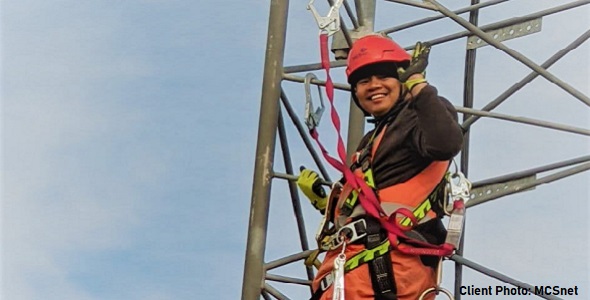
(348, 233)
(329, 24)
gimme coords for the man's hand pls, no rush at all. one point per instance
(311, 186)
(417, 66)
(418, 63)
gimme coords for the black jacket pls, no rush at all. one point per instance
(418, 132)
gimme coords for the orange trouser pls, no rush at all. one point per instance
(411, 276)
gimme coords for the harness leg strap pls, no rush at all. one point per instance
(381, 267)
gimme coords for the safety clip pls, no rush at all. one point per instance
(329, 24)
(312, 119)
(461, 187)
(460, 190)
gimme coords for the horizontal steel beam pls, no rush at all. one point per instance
(524, 120)
(287, 260)
(531, 172)
(497, 275)
(526, 186)
(286, 279)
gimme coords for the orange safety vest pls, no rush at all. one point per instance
(412, 277)
(411, 194)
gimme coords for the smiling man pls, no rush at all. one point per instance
(404, 159)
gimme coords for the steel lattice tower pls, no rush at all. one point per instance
(361, 18)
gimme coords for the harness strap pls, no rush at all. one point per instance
(381, 267)
(376, 254)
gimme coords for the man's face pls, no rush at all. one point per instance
(377, 94)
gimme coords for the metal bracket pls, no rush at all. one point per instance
(506, 33)
(312, 119)
(490, 191)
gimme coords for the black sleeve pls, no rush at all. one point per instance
(437, 134)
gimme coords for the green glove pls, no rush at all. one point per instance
(418, 65)
(311, 186)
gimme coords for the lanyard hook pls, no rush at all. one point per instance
(459, 188)
(329, 24)
(312, 118)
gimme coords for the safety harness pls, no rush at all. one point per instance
(369, 230)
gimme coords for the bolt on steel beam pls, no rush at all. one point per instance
(511, 21)
(531, 172)
(534, 183)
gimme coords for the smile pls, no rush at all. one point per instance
(377, 96)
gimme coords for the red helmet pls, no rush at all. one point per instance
(372, 49)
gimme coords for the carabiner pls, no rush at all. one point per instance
(461, 189)
(329, 24)
(312, 119)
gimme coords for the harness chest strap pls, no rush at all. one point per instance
(416, 194)
(410, 199)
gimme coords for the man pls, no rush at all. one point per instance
(404, 159)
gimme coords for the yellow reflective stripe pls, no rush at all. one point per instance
(419, 213)
(350, 202)
(369, 178)
(424, 207)
(366, 256)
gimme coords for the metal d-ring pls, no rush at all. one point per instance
(436, 290)
(312, 119)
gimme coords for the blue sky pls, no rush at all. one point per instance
(129, 130)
